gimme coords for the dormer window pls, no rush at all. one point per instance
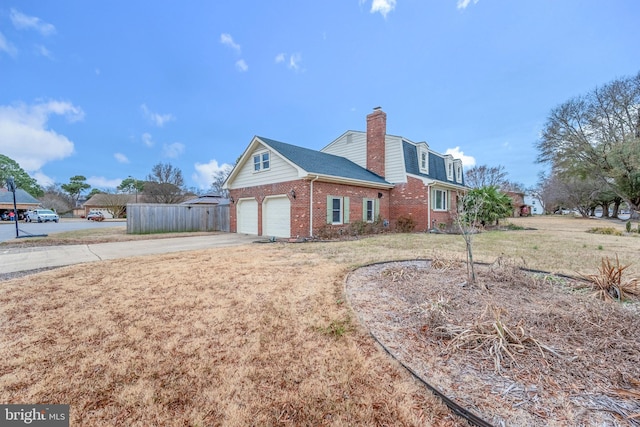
(423, 160)
(458, 173)
(261, 161)
(449, 165)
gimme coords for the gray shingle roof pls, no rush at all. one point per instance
(316, 162)
(21, 197)
(437, 168)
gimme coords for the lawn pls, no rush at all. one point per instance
(254, 335)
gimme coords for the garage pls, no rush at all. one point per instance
(247, 214)
(276, 216)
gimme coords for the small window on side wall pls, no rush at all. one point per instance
(370, 209)
(261, 161)
(337, 210)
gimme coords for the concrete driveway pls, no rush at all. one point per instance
(24, 259)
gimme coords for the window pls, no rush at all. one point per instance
(337, 210)
(449, 170)
(459, 173)
(370, 209)
(424, 160)
(439, 200)
(261, 161)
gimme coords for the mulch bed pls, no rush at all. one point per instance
(515, 348)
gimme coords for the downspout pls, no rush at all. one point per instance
(311, 207)
(428, 207)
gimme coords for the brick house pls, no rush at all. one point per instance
(283, 190)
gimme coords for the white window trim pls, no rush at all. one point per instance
(425, 152)
(458, 173)
(449, 166)
(261, 167)
(445, 200)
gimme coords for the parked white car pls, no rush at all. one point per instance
(41, 215)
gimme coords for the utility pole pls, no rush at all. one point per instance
(11, 186)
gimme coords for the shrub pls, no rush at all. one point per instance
(610, 231)
(608, 283)
(627, 226)
(405, 224)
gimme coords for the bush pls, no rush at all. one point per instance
(627, 226)
(405, 224)
(610, 231)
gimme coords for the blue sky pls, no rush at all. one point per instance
(107, 89)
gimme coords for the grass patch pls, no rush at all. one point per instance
(608, 231)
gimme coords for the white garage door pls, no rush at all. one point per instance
(276, 216)
(247, 214)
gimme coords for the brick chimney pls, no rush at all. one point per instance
(376, 131)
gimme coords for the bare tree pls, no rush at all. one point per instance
(484, 176)
(57, 199)
(467, 219)
(116, 203)
(165, 184)
(219, 177)
(598, 135)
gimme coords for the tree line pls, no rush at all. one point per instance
(591, 144)
(164, 184)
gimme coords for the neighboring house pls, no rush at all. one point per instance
(24, 201)
(520, 208)
(107, 203)
(536, 207)
(283, 190)
(207, 199)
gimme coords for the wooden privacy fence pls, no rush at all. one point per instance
(145, 218)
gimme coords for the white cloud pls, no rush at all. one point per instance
(203, 176)
(7, 47)
(102, 182)
(26, 138)
(241, 65)
(383, 6)
(44, 51)
(173, 150)
(25, 22)
(121, 158)
(157, 119)
(227, 40)
(293, 63)
(467, 161)
(462, 4)
(146, 139)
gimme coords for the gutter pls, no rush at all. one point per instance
(311, 206)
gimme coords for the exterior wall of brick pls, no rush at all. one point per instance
(404, 200)
(412, 200)
(376, 132)
(300, 219)
(299, 204)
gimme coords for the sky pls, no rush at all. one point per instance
(108, 89)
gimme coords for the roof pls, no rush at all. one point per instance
(319, 163)
(22, 197)
(437, 168)
(207, 199)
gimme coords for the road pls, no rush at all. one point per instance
(8, 228)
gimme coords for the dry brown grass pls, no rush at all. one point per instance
(255, 335)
